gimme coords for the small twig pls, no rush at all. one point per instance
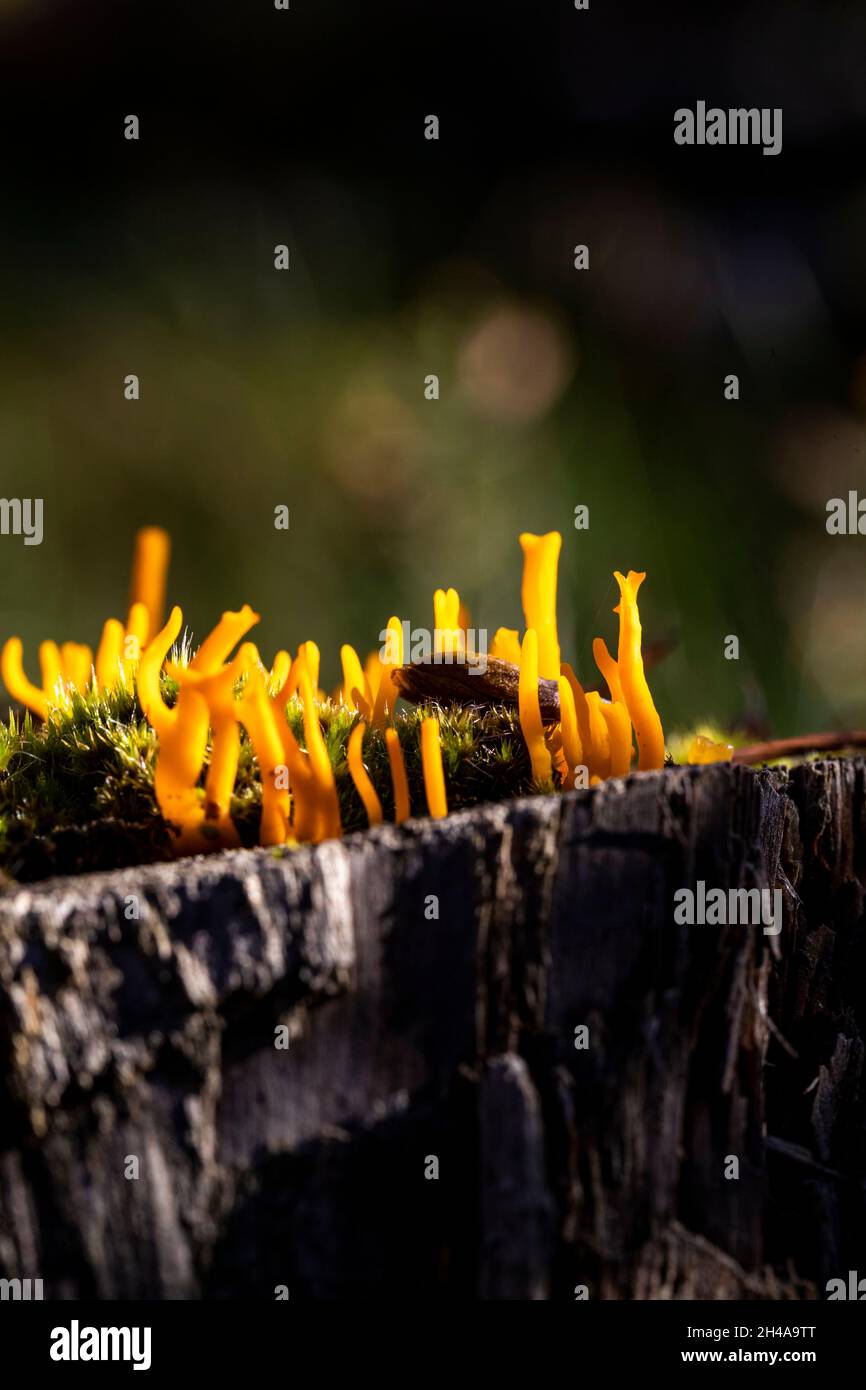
(803, 743)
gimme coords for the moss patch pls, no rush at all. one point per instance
(77, 793)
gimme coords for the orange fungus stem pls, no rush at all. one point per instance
(149, 570)
(431, 760)
(399, 780)
(642, 712)
(363, 785)
(529, 710)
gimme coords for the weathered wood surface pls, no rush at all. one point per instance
(453, 1038)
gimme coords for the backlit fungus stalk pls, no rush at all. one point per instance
(530, 713)
(434, 777)
(639, 701)
(204, 702)
(205, 711)
(399, 780)
(538, 593)
(360, 776)
(593, 739)
(370, 689)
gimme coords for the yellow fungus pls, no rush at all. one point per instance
(183, 735)
(217, 689)
(372, 676)
(280, 671)
(156, 711)
(505, 645)
(149, 570)
(562, 770)
(538, 593)
(309, 652)
(305, 813)
(109, 655)
(448, 636)
(639, 702)
(609, 669)
(256, 713)
(387, 693)
(135, 637)
(360, 776)
(205, 699)
(598, 758)
(178, 767)
(231, 627)
(431, 762)
(288, 673)
(310, 824)
(571, 743)
(399, 780)
(323, 786)
(314, 790)
(217, 694)
(616, 718)
(138, 630)
(76, 664)
(354, 680)
(530, 713)
(71, 665)
(16, 682)
(581, 710)
(221, 775)
(51, 668)
(289, 686)
(704, 750)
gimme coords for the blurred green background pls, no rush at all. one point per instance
(557, 387)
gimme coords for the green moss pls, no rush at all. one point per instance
(77, 793)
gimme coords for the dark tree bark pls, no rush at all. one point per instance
(420, 1044)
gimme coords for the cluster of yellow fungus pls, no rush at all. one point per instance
(593, 738)
(70, 667)
(370, 688)
(219, 694)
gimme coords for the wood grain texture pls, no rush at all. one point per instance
(451, 1038)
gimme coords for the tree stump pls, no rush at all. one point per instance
(431, 1128)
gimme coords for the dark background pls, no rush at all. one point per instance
(410, 257)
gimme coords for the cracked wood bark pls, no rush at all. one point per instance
(454, 1039)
